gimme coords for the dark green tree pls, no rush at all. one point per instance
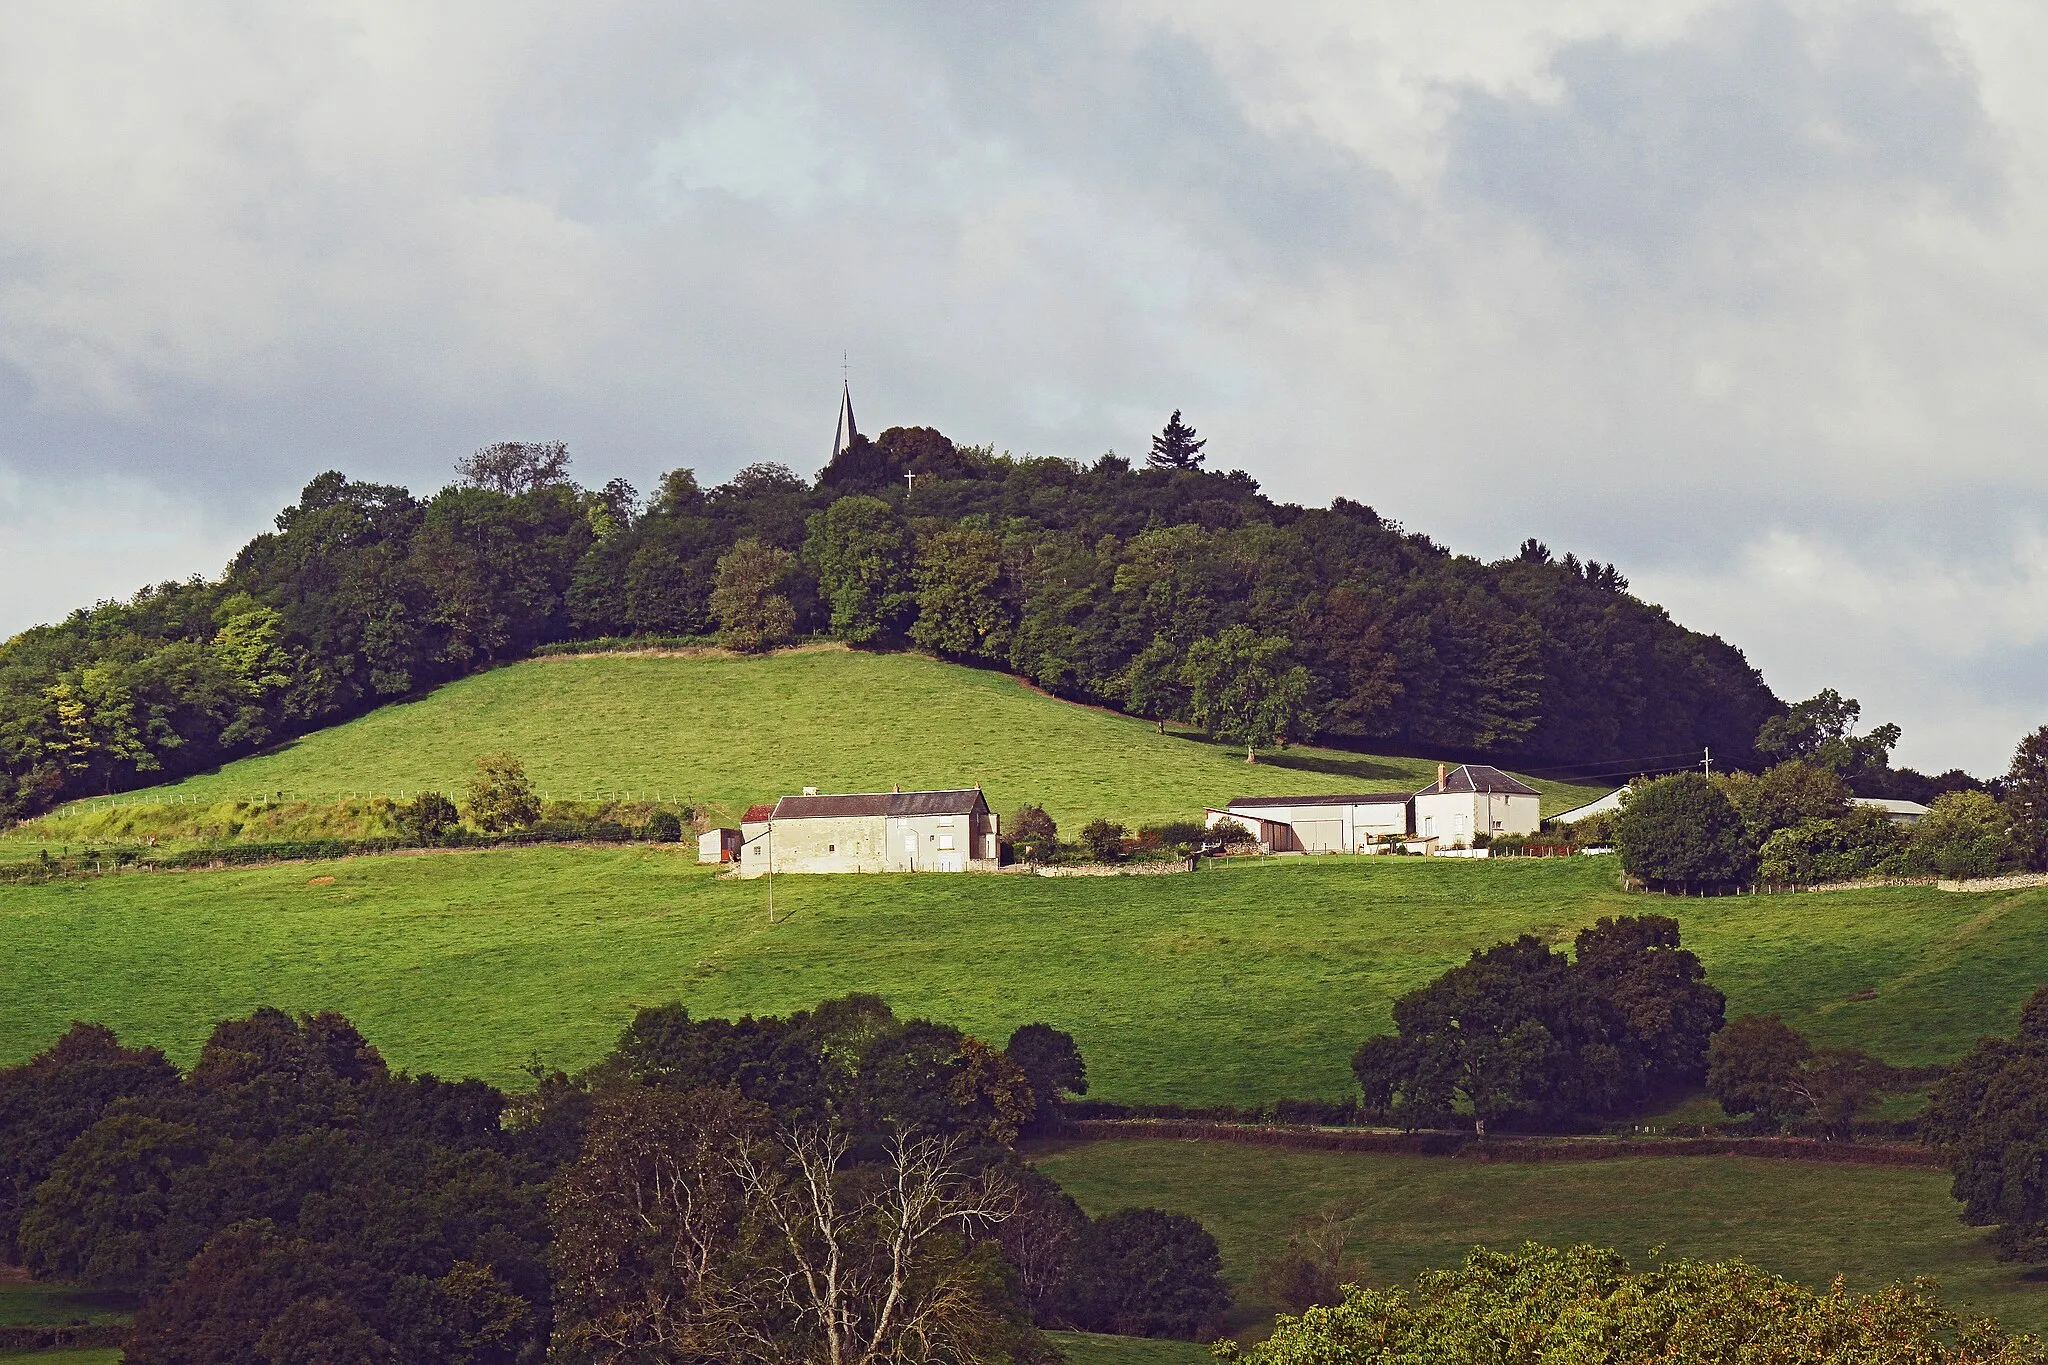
(1682, 832)
(1176, 447)
(1153, 684)
(1146, 1273)
(1051, 1062)
(427, 816)
(862, 555)
(2026, 798)
(501, 796)
(961, 607)
(1989, 1116)
(1752, 1065)
(1104, 840)
(1822, 730)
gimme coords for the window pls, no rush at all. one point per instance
(945, 822)
(831, 848)
(945, 843)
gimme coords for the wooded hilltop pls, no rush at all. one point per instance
(1092, 581)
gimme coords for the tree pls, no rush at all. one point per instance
(1153, 685)
(870, 1265)
(1051, 1063)
(1175, 447)
(1814, 851)
(1681, 831)
(1104, 840)
(2026, 796)
(1031, 825)
(1989, 1116)
(1963, 834)
(1752, 1065)
(515, 467)
(1578, 1303)
(427, 816)
(1146, 1273)
(500, 797)
(1521, 1032)
(862, 555)
(1822, 730)
(1242, 690)
(753, 615)
(1784, 795)
(961, 610)
(47, 1101)
(664, 827)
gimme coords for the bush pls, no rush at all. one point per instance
(1031, 825)
(1104, 840)
(1681, 831)
(663, 827)
(500, 797)
(1583, 1303)
(1964, 834)
(1233, 833)
(1176, 834)
(1850, 845)
(427, 817)
(1145, 1273)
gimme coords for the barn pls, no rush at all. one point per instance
(899, 831)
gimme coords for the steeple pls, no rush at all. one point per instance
(843, 439)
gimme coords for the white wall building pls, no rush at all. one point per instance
(939, 831)
(1474, 799)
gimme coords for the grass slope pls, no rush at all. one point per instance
(1236, 984)
(1873, 1225)
(725, 732)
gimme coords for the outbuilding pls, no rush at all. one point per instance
(1317, 824)
(930, 831)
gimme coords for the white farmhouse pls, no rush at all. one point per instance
(1475, 798)
(936, 831)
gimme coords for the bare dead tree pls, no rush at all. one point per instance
(514, 467)
(869, 1262)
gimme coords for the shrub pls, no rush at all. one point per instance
(663, 827)
(427, 816)
(1145, 1273)
(1850, 845)
(500, 797)
(1104, 840)
(1964, 834)
(1174, 834)
(1031, 825)
(1233, 832)
(1581, 1303)
(1681, 831)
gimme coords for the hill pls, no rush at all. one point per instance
(1139, 589)
(721, 732)
(1237, 984)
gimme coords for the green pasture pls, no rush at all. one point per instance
(1240, 983)
(1403, 1214)
(111, 1355)
(1085, 1348)
(724, 732)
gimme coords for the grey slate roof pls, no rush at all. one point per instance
(960, 802)
(1478, 777)
(1364, 799)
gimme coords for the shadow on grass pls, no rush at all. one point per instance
(1294, 760)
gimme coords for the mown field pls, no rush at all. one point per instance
(1403, 1214)
(723, 732)
(1236, 984)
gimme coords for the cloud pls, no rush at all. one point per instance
(1672, 282)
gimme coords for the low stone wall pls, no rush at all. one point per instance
(2017, 882)
(1104, 869)
(1522, 1149)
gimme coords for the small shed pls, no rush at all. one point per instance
(718, 845)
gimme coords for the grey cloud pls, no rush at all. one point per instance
(1754, 105)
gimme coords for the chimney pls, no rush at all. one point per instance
(810, 791)
(1440, 776)
(895, 786)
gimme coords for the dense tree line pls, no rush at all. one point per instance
(1797, 823)
(1172, 591)
(840, 1185)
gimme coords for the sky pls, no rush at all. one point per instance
(1748, 298)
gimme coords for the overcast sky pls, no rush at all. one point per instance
(1750, 298)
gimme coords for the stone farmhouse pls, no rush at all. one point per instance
(1463, 802)
(899, 831)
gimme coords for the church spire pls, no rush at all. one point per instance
(843, 439)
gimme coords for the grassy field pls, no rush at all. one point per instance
(1085, 1348)
(1237, 984)
(724, 732)
(1404, 1214)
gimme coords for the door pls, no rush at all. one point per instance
(1320, 836)
(910, 851)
